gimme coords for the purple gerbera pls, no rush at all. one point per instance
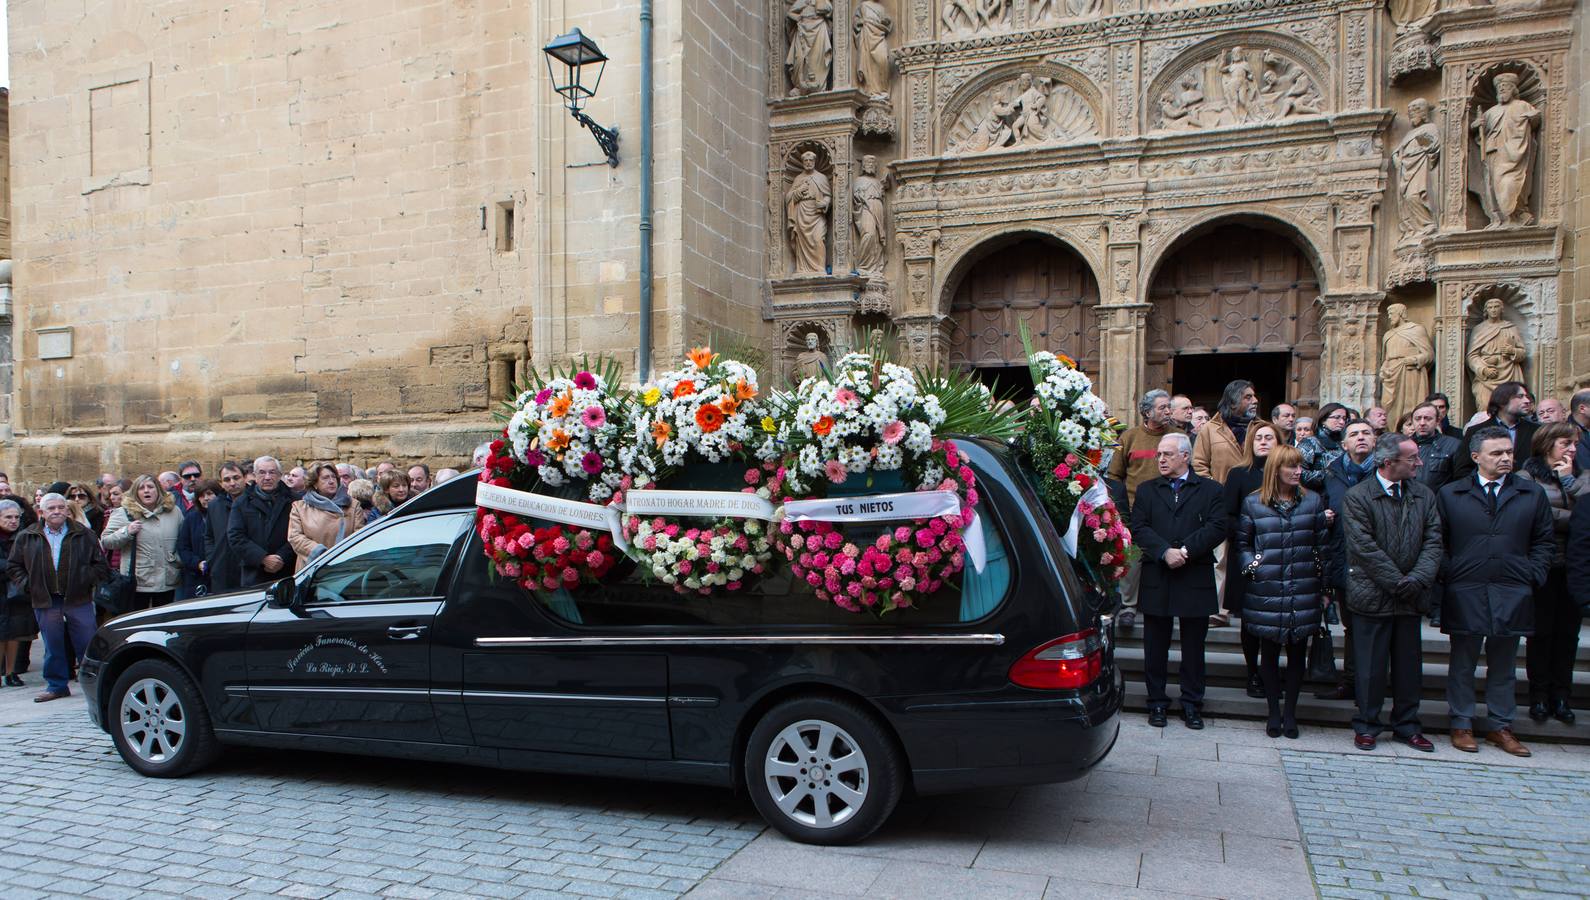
(535, 458)
(591, 462)
(544, 395)
(585, 381)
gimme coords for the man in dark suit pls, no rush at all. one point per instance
(1178, 520)
(1443, 407)
(257, 526)
(221, 563)
(1509, 410)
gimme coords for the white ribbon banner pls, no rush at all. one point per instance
(1094, 496)
(889, 508)
(698, 503)
(553, 509)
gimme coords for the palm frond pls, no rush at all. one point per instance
(969, 406)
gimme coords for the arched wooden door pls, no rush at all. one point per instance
(1237, 290)
(1035, 282)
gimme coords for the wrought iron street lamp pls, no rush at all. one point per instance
(573, 60)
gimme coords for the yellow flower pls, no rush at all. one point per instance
(768, 425)
(651, 396)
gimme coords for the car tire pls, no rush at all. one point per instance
(823, 770)
(158, 721)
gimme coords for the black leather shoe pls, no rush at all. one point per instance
(1562, 712)
(1190, 717)
(1271, 730)
(1364, 741)
(13, 680)
(1255, 689)
(1339, 692)
(1538, 711)
(1156, 717)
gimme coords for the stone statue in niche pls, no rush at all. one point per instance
(867, 214)
(806, 216)
(1496, 353)
(873, 27)
(810, 59)
(1027, 111)
(1506, 135)
(1409, 13)
(811, 362)
(1223, 91)
(1406, 355)
(1418, 160)
(973, 16)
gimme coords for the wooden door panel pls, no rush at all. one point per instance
(1038, 283)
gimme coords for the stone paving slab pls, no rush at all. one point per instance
(78, 822)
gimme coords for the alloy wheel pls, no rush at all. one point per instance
(816, 773)
(153, 720)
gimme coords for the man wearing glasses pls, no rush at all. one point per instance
(190, 473)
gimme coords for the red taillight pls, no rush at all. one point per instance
(1065, 663)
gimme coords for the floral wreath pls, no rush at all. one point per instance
(561, 436)
(871, 417)
(706, 411)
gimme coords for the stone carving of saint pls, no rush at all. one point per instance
(873, 27)
(997, 130)
(806, 216)
(1496, 353)
(811, 46)
(867, 211)
(1236, 83)
(1506, 134)
(1284, 90)
(1410, 12)
(1418, 160)
(1031, 125)
(1406, 354)
(811, 362)
(1186, 108)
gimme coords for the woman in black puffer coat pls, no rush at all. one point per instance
(1240, 482)
(1282, 534)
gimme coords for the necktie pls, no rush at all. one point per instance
(1396, 491)
(1490, 495)
(1175, 489)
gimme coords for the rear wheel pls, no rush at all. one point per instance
(823, 770)
(158, 721)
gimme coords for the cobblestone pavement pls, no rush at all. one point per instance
(1440, 828)
(78, 822)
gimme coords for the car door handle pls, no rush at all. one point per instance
(405, 632)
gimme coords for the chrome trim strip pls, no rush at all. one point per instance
(573, 698)
(994, 640)
(317, 689)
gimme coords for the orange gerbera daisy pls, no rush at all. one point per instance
(702, 356)
(709, 417)
(1066, 360)
(743, 390)
(729, 406)
(660, 432)
(558, 440)
(684, 388)
(822, 426)
(559, 407)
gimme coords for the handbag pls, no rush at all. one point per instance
(118, 593)
(1322, 656)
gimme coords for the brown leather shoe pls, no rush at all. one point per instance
(1503, 738)
(1463, 739)
(47, 696)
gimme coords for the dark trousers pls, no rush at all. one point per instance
(1270, 670)
(1349, 664)
(1250, 652)
(1156, 659)
(57, 625)
(151, 599)
(1379, 640)
(1549, 655)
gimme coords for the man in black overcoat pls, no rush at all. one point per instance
(257, 526)
(225, 573)
(1178, 520)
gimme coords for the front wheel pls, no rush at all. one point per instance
(158, 721)
(823, 770)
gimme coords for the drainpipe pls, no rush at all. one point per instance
(644, 360)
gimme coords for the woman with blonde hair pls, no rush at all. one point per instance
(1263, 436)
(325, 516)
(145, 527)
(1282, 533)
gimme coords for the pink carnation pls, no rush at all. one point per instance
(1100, 535)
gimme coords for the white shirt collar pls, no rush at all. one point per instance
(1384, 484)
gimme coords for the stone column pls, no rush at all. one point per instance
(1351, 324)
(917, 252)
(844, 77)
(840, 240)
(1122, 315)
(924, 339)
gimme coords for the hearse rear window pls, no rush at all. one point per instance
(778, 598)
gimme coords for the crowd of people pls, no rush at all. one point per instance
(1291, 522)
(171, 536)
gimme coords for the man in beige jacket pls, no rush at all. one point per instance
(1219, 450)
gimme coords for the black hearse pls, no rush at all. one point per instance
(401, 642)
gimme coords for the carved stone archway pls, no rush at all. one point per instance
(1023, 279)
(1238, 285)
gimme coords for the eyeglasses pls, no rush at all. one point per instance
(190, 474)
(77, 495)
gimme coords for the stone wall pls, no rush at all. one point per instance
(1576, 296)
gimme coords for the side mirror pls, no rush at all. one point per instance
(282, 595)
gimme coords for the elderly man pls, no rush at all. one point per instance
(445, 475)
(419, 478)
(57, 563)
(189, 474)
(1344, 473)
(257, 526)
(1393, 548)
(1376, 417)
(169, 481)
(1438, 450)
(1497, 530)
(1550, 410)
(1181, 409)
(103, 485)
(1178, 521)
(297, 481)
(1133, 464)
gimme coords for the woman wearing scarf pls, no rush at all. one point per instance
(148, 515)
(1322, 447)
(325, 516)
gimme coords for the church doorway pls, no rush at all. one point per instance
(1032, 281)
(1236, 301)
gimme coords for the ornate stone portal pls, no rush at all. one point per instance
(1119, 134)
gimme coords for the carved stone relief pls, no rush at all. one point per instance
(962, 18)
(809, 62)
(1418, 161)
(1505, 134)
(1023, 111)
(873, 27)
(868, 218)
(1040, 12)
(1239, 86)
(807, 200)
(1496, 352)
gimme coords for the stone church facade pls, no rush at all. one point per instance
(335, 230)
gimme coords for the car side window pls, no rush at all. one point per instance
(402, 560)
